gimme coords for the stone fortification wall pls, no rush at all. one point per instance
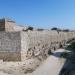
(39, 43)
(10, 46)
(9, 25)
(17, 46)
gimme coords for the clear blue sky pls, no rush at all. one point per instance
(40, 13)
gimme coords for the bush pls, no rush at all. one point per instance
(49, 52)
(57, 29)
(54, 28)
(30, 28)
(71, 47)
(64, 55)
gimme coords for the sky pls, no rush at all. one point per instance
(40, 13)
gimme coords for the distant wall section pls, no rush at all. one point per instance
(38, 43)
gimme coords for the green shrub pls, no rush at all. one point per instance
(71, 47)
(64, 55)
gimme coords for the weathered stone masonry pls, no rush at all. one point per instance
(10, 46)
(38, 43)
(19, 45)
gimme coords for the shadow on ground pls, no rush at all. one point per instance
(68, 67)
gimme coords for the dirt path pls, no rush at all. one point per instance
(52, 65)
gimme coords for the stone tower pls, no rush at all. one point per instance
(7, 25)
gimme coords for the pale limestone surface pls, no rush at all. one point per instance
(38, 43)
(51, 66)
(24, 45)
(10, 46)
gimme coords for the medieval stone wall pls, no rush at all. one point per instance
(9, 25)
(38, 43)
(10, 46)
(19, 46)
